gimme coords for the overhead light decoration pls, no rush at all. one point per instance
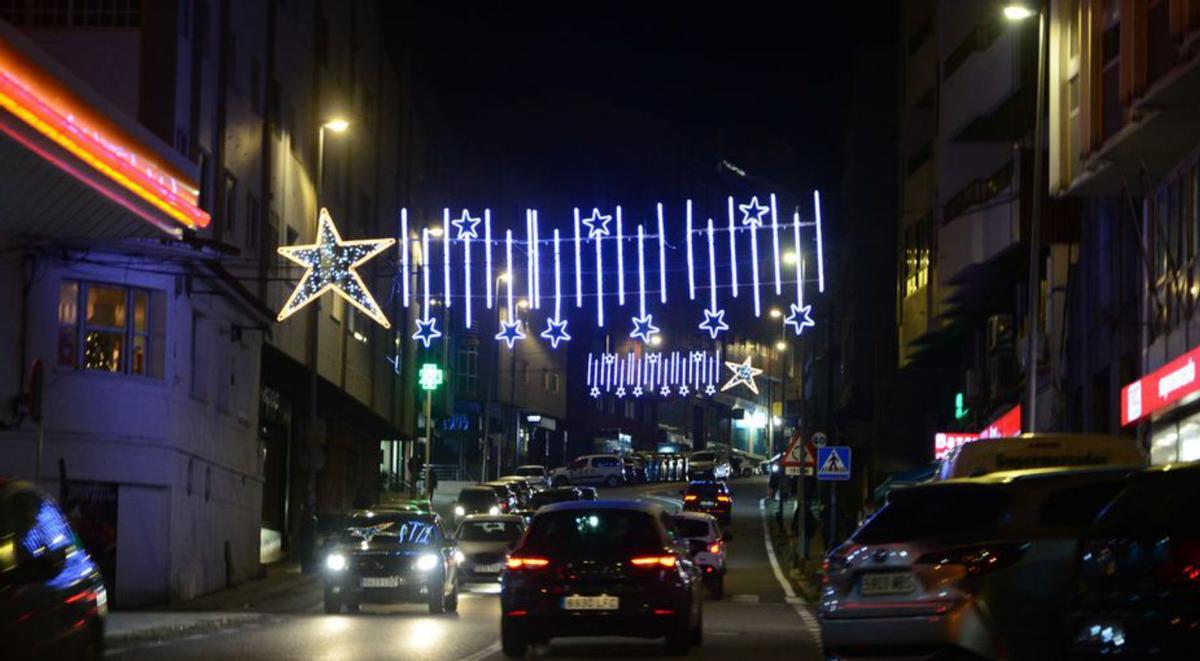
(649, 372)
(330, 265)
(743, 375)
(714, 317)
(510, 330)
(597, 225)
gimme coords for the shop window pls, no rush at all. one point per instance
(120, 331)
(468, 369)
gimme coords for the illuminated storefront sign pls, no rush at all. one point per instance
(1161, 388)
(1006, 426)
(944, 442)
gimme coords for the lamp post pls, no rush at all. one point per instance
(431, 376)
(1019, 12)
(493, 385)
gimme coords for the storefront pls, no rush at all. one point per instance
(1005, 426)
(1168, 397)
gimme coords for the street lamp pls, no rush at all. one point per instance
(776, 313)
(1019, 12)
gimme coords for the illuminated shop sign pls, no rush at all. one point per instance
(1006, 426)
(1161, 388)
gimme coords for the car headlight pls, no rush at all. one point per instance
(494, 510)
(335, 562)
(459, 510)
(459, 558)
(426, 562)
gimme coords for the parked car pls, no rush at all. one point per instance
(554, 495)
(706, 542)
(634, 473)
(53, 602)
(480, 500)
(709, 497)
(387, 556)
(524, 488)
(538, 476)
(1029, 451)
(483, 543)
(606, 469)
(607, 568)
(1138, 587)
(509, 495)
(977, 566)
(708, 465)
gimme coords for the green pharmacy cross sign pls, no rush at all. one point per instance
(431, 376)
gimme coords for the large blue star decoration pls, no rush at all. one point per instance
(644, 328)
(330, 265)
(466, 226)
(800, 318)
(510, 332)
(755, 218)
(426, 331)
(743, 374)
(556, 331)
(714, 322)
(597, 225)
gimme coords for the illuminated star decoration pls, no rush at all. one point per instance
(743, 374)
(710, 390)
(395, 361)
(556, 331)
(714, 322)
(620, 391)
(800, 318)
(426, 331)
(644, 328)
(665, 391)
(369, 532)
(637, 391)
(466, 226)
(330, 264)
(594, 392)
(683, 390)
(754, 218)
(597, 225)
(510, 332)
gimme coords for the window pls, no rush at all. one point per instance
(629, 409)
(121, 330)
(253, 223)
(229, 209)
(206, 184)
(917, 252)
(468, 368)
(546, 380)
(554, 383)
(200, 363)
(524, 374)
(95, 13)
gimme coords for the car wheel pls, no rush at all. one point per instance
(332, 605)
(452, 600)
(697, 631)
(351, 608)
(437, 601)
(679, 639)
(611, 481)
(94, 649)
(512, 639)
(716, 587)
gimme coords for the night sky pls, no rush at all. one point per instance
(628, 100)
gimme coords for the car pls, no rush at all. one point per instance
(600, 568)
(706, 542)
(708, 464)
(53, 603)
(389, 556)
(710, 497)
(606, 469)
(970, 566)
(524, 488)
(554, 495)
(480, 500)
(536, 474)
(510, 496)
(633, 471)
(483, 543)
(1040, 451)
(1138, 585)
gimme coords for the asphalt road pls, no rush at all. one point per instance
(755, 620)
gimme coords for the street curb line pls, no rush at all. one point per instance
(174, 631)
(797, 603)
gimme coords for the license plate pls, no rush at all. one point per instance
(488, 569)
(707, 503)
(581, 603)
(898, 583)
(381, 582)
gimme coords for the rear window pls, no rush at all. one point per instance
(959, 512)
(477, 497)
(597, 532)
(1154, 504)
(686, 527)
(546, 497)
(606, 462)
(704, 490)
(489, 531)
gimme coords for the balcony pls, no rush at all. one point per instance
(982, 97)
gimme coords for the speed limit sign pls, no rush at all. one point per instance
(819, 439)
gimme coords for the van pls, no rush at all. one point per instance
(606, 469)
(1040, 451)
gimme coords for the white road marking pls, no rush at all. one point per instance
(798, 604)
(483, 653)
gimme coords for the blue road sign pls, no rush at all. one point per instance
(833, 462)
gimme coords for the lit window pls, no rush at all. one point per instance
(120, 330)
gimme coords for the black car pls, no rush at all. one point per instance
(510, 495)
(387, 556)
(52, 598)
(479, 500)
(710, 497)
(1138, 591)
(600, 568)
(554, 495)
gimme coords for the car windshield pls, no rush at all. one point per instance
(687, 527)
(531, 471)
(489, 531)
(594, 532)
(1154, 504)
(477, 497)
(702, 456)
(552, 496)
(396, 528)
(958, 512)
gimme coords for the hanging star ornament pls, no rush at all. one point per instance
(743, 374)
(594, 392)
(754, 218)
(637, 391)
(714, 322)
(597, 225)
(620, 391)
(426, 331)
(466, 226)
(331, 264)
(683, 390)
(665, 391)
(800, 318)
(510, 332)
(710, 390)
(644, 328)
(556, 331)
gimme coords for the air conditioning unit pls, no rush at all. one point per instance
(1000, 333)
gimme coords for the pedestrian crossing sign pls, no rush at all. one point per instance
(833, 462)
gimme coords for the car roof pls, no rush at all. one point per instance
(532, 466)
(476, 487)
(511, 518)
(1039, 474)
(695, 516)
(372, 513)
(632, 505)
(1189, 466)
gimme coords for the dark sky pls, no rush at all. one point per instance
(629, 98)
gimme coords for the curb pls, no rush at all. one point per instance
(157, 633)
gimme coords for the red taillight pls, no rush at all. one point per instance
(522, 562)
(653, 561)
(724, 499)
(714, 548)
(1181, 560)
(977, 559)
(690, 497)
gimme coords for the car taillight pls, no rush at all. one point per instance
(690, 497)
(646, 561)
(724, 499)
(518, 563)
(979, 559)
(715, 548)
(1179, 560)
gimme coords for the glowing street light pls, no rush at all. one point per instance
(789, 258)
(1018, 12)
(776, 313)
(781, 346)
(436, 232)
(337, 124)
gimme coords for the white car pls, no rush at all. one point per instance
(706, 544)
(606, 469)
(535, 474)
(708, 465)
